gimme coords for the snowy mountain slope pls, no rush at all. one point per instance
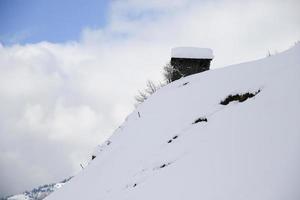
(38, 193)
(246, 150)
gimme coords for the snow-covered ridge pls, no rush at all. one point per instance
(192, 52)
(38, 193)
(182, 143)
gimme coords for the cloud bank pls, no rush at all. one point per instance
(58, 101)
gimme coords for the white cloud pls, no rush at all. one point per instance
(58, 101)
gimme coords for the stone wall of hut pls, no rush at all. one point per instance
(188, 66)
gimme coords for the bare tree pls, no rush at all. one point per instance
(151, 88)
(141, 97)
(168, 71)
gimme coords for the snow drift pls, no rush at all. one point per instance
(246, 149)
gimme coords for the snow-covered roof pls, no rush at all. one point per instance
(192, 52)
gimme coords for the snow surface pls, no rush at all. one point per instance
(18, 197)
(192, 52)
(248, 150)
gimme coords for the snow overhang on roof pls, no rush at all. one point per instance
(192, 52)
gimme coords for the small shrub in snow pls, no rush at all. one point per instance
(151, 88)
(163, 166)
(171, 140)
(168, 71)
(238, 97)
(201, 119)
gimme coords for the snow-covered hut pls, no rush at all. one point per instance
(190, 60)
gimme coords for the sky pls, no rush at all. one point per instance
(35, 21)
(69, 70)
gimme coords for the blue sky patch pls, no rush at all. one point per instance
(33, 21)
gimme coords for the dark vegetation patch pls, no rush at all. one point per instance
(201, 119)
(93, 157)
(163, 165)
(134, 185)
(238, 97)
(173, 138)
(185, 83)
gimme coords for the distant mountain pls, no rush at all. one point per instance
(230, 134)
(38, 193)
